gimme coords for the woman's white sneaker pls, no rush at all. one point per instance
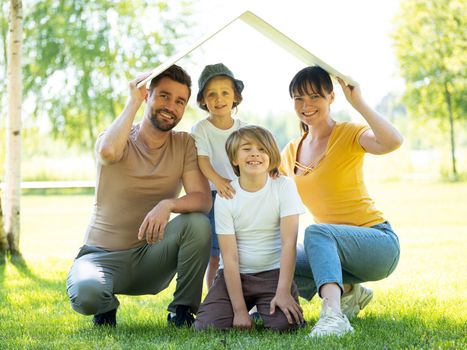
(355, 300)
(331, 323)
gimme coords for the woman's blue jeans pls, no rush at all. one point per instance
(344, 254)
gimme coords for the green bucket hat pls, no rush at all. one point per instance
(214, 70)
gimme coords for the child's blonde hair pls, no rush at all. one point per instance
(262, 137)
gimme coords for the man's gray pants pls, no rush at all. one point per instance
(97, 275)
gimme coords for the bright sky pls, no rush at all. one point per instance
(351, 36)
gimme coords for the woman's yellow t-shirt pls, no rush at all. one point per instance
(334, 191)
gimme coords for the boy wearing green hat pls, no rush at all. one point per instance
(219, 93)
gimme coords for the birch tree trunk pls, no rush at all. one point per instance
(3, 241)
(13, 137)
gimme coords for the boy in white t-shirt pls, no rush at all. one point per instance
(218, 93)
(257, 233)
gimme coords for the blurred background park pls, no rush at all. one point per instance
(78, 56)
(408, 56)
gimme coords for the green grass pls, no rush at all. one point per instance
(422, 305)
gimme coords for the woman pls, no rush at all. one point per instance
(351, 241)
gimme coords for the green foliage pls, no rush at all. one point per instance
(430, 44)
(422, 134)
(3, 35)
(80, 55)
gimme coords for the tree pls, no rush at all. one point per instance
(4, 5)
(3, 73)
(81, 54)
(13, 153)
(3, 241)
(3, 49)
(430, 45)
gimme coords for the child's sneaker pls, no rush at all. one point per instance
(255, 317)
(355, 300)
(331, 323)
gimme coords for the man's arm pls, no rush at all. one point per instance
(110, 146)
(198, 195)
(197, 199)
(223, 186)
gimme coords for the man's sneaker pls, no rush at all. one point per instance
(106, 319)
(182, 317)
(354, 301)
(331, 323)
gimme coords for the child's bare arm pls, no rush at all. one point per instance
(283, 299)
(228, 246)
(223, 186)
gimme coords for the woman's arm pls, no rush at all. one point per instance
(383, 137)
(283, 299)
(223, 186)
(228, 246)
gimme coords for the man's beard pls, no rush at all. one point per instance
(160, 124)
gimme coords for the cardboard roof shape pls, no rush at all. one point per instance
(267, 30)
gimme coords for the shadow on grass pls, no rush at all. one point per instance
(410, 327)
(22, 267)
(371, 332)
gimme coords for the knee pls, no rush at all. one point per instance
(196, 326)
(199, 326)
(87, 296)
(217, 325)
(316, 230)
(315, 235)
(199, 227)
(281, 325)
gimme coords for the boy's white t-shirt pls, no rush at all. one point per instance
(254, 219)
(210, 142)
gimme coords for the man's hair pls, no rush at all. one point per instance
(262, 137)
(175, 73)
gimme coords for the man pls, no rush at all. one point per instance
(130, 246)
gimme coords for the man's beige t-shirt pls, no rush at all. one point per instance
(127, 190)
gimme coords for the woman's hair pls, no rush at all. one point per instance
(310, 80)
(259, 135)
(174, 72)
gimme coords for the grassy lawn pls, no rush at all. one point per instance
(422, 305)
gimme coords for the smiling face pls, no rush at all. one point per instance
(219, 96)
(312, 91)
(252, 158)
(252, 149)
(312, 107)
(166, 104)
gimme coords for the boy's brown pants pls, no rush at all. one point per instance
(258, 289)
